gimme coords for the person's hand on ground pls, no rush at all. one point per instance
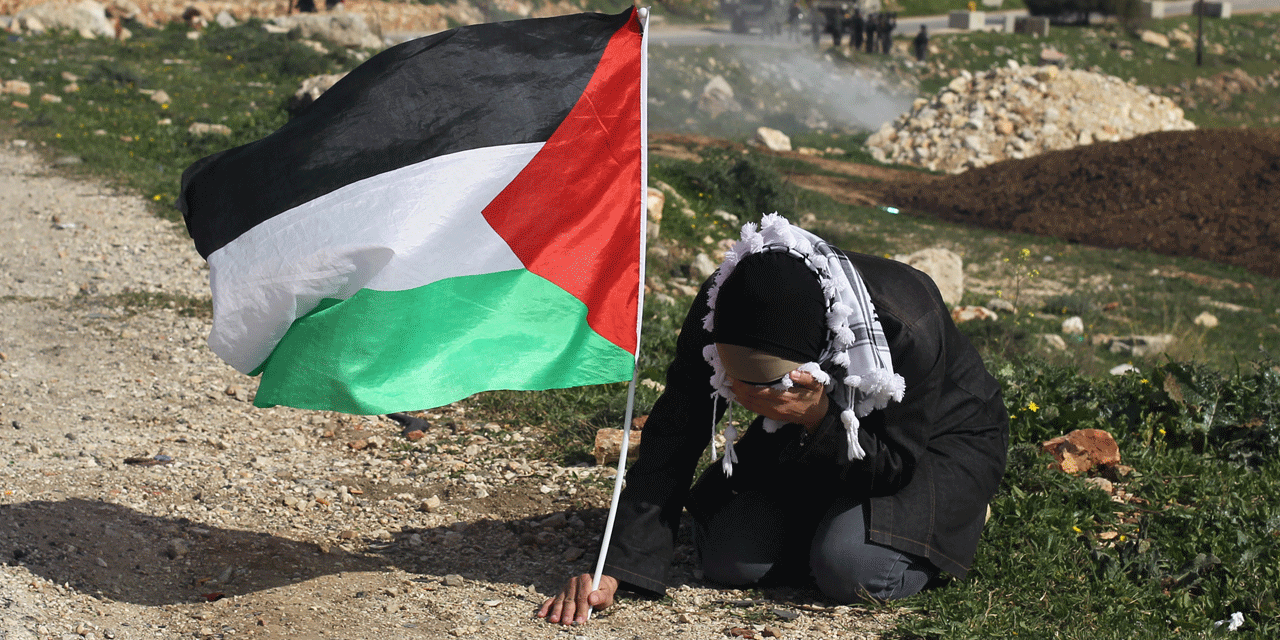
(576, 600)
(805, 403)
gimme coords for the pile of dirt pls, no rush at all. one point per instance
(1211, 194)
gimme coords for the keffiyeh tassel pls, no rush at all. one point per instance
(730, 456)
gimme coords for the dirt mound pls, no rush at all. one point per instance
(1212, 194)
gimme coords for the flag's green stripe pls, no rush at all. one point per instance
(380, 351)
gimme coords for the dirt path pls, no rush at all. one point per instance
(143, 496)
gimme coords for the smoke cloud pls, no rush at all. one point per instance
(794, 89)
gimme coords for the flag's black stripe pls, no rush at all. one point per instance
(467, 88)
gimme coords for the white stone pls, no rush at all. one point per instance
(1054, 341)
(87, 18)
(344, 29)
(1000, 304)
(1073, 326)
(1206, 320)
(1157, 39)
(654, 202)
(773, 139)
(703, 266)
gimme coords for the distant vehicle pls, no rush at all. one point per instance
(766, 15)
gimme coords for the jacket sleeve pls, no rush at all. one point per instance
(657, 485)
(894, 438)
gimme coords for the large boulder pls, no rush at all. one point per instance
(349, 30)
(773, 139)
(87, 18)
(717, 98)
(945, 268)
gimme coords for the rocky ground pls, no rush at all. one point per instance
(143, 496)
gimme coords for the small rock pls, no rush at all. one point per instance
(1083, 449)
(176, 549)
(1054, 341)
(454, 580)
(1000, 304)
(1073, 326)
(1206, 320)
(967, 314)
(1102, 484)
(204, 128)
(1157, 39)
(431, 505)
(160, 97)
(608, 446)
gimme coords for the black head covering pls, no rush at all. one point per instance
(773, 302)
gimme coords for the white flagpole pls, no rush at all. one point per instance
(643, 14)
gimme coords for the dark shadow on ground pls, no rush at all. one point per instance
(115, 552)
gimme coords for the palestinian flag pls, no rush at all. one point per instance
(460, 213)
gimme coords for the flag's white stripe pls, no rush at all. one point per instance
(391, 232)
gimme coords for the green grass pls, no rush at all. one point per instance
(237, 77)
(1199, 536)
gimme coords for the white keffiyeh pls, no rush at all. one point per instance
(855, 366)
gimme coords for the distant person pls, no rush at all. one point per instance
(921, 43)
(794, 14)
(857, 23)
(869, 29)
(889, 22)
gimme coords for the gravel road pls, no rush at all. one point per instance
(143, 496)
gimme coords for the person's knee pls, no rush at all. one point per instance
(731, 570)
(849, 573)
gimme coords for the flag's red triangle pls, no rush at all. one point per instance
(572, 216)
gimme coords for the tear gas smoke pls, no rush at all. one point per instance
(794, 90)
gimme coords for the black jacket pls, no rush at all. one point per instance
(932, 462)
